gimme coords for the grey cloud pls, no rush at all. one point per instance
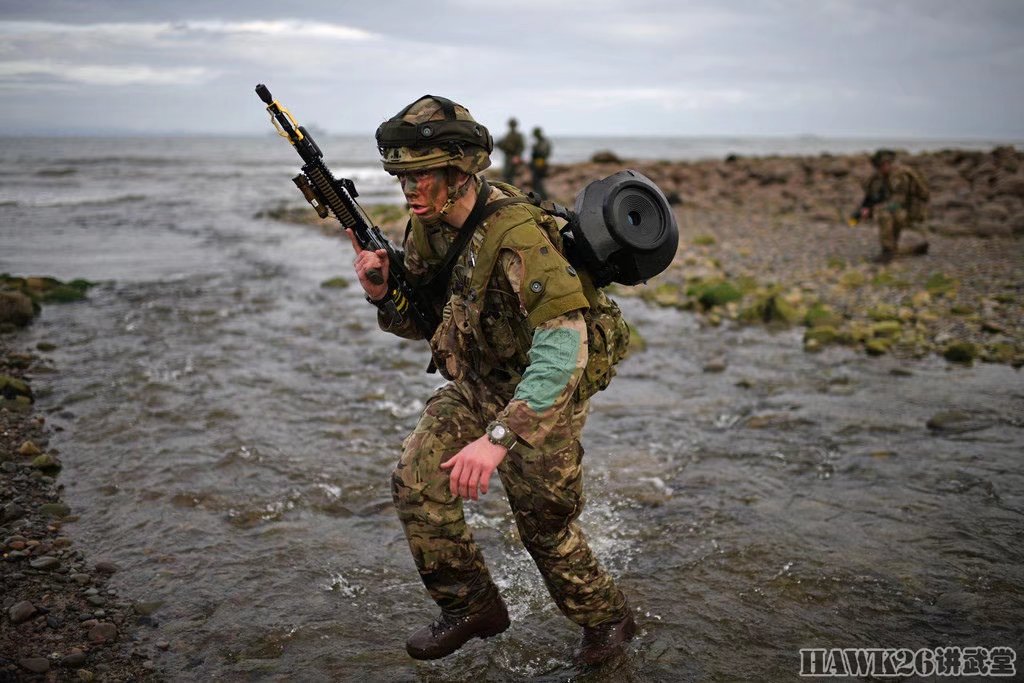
(915, 68)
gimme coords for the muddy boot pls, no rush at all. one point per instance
(919, 249)
(604, 640)
(446, 634)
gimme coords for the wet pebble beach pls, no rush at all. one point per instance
(61, 618)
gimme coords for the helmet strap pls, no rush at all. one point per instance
(455, 193)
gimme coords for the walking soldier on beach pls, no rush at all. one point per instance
(513, 146)
(513, 345)
(897, 197)
(539, 161)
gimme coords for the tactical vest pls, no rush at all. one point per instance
(484, 325)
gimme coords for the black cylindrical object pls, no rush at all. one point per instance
(624, 229)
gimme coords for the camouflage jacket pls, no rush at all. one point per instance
(512, 144)
(902, 189)
(523, 339)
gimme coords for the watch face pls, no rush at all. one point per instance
(498, 432)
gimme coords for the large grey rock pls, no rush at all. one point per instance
(21, 612)
(15, 309)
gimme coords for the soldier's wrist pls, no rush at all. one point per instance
(500, 434)
(382, 301)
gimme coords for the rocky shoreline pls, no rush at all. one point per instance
(60, 618)
(764, 240)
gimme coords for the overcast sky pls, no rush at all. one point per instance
(856, 68)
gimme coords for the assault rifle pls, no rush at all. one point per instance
(328, 194)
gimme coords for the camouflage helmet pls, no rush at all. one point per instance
(434, 132)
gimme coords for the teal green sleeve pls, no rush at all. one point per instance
(552, 363)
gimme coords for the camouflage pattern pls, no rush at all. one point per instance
(544, 489)
(469, 158)
(513, 146)
(488, 345)
(539, 161)
(905, 202)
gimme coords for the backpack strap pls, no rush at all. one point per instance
(480, 211)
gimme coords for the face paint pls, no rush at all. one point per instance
(426, 191)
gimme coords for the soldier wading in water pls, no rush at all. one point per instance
(513, 345)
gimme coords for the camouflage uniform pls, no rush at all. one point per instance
(513, 146)
(539, 161)
(898, 201)
(514, 350)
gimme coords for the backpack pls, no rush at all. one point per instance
(607, 330)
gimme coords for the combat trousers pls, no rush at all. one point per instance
(890, 224)
(544, 489)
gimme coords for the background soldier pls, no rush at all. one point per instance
(539, 161)
(897, 197)
(513, 146)
(513, 349)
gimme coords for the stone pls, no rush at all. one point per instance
(820, 335)
(81, 579)
(877, 347)
(46, 462)
(38, 665)
(107, 567)
(102, 633)
(886, 329)
(45, 563)
(715, 365)
(55, 509)
(605, 156)
(12, 387)
(85, 675)
(148, 607)
(28, 448)
(961, 352)
(74, 658)
(11, 511)
(940, 284)
(822, 315)
(16, 309)
(955, 422)
(21, 612)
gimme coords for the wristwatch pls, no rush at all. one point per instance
(499, 434)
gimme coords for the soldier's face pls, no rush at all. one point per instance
(426, 191)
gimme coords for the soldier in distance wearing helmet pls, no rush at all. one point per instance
(896, 196)
(514, 350)
(512, 146)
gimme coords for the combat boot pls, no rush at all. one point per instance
(446, 634)
(886, 256)
(602, 641)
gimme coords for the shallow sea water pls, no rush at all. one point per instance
(228, 428)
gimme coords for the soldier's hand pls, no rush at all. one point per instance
(370, 260)
(472, 467)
